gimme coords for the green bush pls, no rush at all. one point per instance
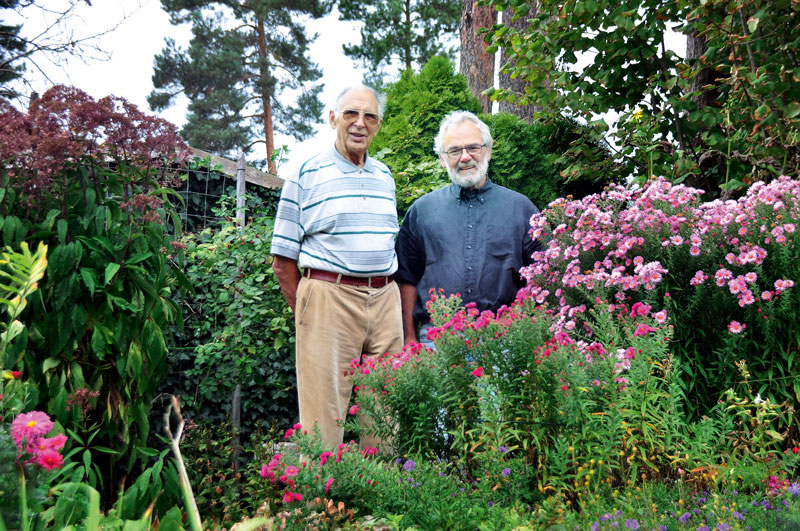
(99, 322)
(239, 328)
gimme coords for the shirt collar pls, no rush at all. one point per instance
(466, 194)
(347, 166)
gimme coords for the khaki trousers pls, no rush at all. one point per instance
(336, 324)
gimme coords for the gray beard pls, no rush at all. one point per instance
(468, 181)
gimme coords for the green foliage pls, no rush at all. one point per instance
(407, 33)
(242, 330)
(99, 318)
(736, 124)
(530, 158)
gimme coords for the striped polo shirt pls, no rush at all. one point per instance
(337, 217)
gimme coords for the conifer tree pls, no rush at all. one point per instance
(245, 60)
(400, 31)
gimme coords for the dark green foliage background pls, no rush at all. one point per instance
(239, 329)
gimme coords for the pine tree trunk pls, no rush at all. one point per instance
(517, 86)
(265, 95)
(477, 65)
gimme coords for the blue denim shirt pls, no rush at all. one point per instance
(471, 242)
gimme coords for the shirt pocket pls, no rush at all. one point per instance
(499, 242)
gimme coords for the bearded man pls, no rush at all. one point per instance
(471, 237)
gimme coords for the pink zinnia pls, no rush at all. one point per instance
(328, 485)
(291, 470)
(288, 434)
(30, 426)
(354, 409)
(477, 372)
(324, 457)
(49, 459)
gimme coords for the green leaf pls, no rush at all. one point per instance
(50, 363)
(792, 110)
(89, 278)
(752, 24)
(99, 344)
(111, 270)
(61, 228)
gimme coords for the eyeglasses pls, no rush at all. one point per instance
(351, 115)
(472, 150)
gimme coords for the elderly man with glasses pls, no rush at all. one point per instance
(337, 222)
(470, 237)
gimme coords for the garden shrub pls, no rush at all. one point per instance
(240, 329)
(88, 178)
(724, 271)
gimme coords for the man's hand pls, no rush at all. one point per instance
(288, 277)
(408, 297)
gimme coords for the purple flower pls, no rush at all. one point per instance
(502, 449)
(505, 472)
(632, 524)
(491, 503)
(738, 516)
(662, 528)
(595, 526)
(684, 517)
(794, 489)
(409, 465)
(703, 527)
(723, 527)
(766, 504)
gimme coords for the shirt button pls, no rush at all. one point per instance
(469, 291)
(469, 226)
(469, 268)
(469, 247)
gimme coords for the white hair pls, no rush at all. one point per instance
(455, 118)
(381, 98)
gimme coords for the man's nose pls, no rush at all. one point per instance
(465, 156)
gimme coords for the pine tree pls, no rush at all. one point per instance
(242, 62)
(11, 46)
(405, 31)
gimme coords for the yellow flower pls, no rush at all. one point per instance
(637, 115)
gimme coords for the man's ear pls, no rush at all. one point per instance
(332, 118)
(442, 162)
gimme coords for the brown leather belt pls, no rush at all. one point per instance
(338, 278)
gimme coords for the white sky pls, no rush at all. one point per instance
(140, 29)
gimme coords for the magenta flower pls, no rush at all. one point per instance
(735, 327)
(354, 409)
(291, 471)
(477, 372)
(30, 426)
(49, 459)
